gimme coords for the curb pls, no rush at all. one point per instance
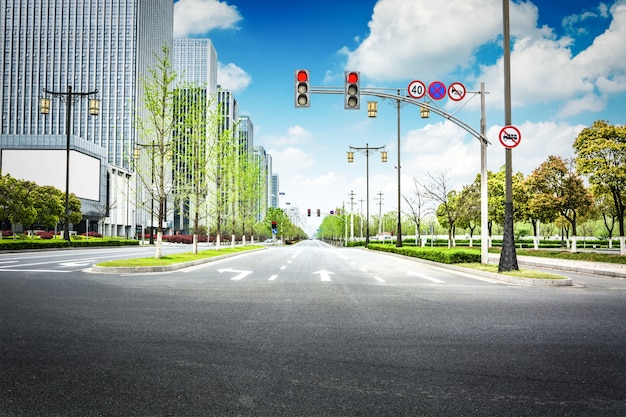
(505, 279)
(167, 268)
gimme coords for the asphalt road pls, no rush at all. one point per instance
(306, 330)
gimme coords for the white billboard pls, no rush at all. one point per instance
(47, 167)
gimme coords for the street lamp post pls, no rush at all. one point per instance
(94, 110)
(367, 152)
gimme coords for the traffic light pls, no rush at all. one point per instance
(302, 86)
(308, 212)
(352, 90)
(274, 227)
(318, 212)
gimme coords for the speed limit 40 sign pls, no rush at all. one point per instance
(417, 89)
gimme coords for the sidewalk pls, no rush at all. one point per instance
(582, 267)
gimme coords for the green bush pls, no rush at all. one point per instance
(441, 255)
(23, 244)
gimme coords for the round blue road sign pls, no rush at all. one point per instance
(437, 90)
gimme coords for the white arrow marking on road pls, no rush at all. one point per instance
(438, 281)
(75, 264)
(325, 275)
(241, 274)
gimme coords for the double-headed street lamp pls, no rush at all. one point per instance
(367, 151)
(94, 110)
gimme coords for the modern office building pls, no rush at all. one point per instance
(262, 159)
(82, 46)
(274, 197)
(195, 63)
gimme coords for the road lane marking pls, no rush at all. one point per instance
(283, 267)
(324, 275)
(435, 280)
(240, 273)
(380, 279)
(273, 277)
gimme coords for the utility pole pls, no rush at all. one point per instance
(361, 217)
(351, 214)
(380, 212)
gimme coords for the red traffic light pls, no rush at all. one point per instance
(302, 76)
(352, 77)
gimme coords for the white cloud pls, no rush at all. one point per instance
(428, 40)
(295, 135)
(197, 17)
(423, 37)
(232, 78)
(444, 146)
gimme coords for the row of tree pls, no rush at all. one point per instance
(590, 185)
(187, 153)
(26, 203)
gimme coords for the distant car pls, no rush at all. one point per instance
(269, 241)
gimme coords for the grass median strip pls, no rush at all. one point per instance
(177, 258)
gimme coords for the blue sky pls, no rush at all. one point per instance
(568, 70)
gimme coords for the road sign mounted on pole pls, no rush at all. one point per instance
(510, 136)
(437, 90)
(456, 91)
(417, 89)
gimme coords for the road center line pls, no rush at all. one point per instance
(273, 277)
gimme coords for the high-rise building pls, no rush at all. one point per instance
(195, 61)
(275, 198)
(195, 64)
(262, 159)
(85, 45)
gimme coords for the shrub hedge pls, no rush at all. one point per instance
(441, 255)
(21, 244)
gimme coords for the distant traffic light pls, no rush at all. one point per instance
(274, 227)
(302, 86)
(352, 90)
(318, 212)
(308, 212)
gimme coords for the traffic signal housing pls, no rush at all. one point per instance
(302, 87)
(352, 90)
(309, 212)
(318, 212)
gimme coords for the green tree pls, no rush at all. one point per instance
(156, 123)
(17, 201)
(601, 155)
(50, 205)
(469, 213)
(199, 120)
(559, 189)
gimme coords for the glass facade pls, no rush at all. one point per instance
(88, 45)
(103, 45)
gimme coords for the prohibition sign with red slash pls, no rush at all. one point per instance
(510, 137)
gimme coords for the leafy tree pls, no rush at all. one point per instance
(17, 201)
(469, 213)
(49, 203)
(601, 155)
(156, 123)
(559, 189)
(199, 119)
(606, 209)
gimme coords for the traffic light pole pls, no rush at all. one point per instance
(484, 142)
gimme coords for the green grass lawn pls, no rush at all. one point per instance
(175, 258)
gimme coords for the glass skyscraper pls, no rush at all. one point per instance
(106, 45)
